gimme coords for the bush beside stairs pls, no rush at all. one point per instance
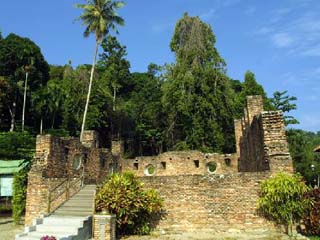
(71, 221)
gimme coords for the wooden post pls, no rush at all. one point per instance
(49, 201)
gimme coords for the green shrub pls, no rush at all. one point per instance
(19, 195)
(135, 208)
(181, 146)
(282, 199)
(17, 145)
(312, 219)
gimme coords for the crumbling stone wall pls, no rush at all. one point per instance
(216, 202)
(261, 139)
(214, 192)
(181, 163)
(63, 162)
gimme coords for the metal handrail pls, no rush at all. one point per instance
(68, 183)
(56, 187)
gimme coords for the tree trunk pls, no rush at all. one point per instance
(13, 116)
(41, 126)
(114, 98)
(24, 100)
(290, 227)
(53, 119)
(89, 91)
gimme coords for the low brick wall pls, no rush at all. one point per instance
(38, 194)
(104, 227)
(212, 203)
(181, 163)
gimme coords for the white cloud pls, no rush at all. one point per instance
(282, 40)
(208, 15)
(264, 31)
(312, 51)
(310, 121)
(279, 14)
(250, 10)
(162, 27)
(299, 34)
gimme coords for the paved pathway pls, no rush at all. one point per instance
(8, 229)
(217, 236)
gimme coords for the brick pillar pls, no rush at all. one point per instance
(254, 107)
(43, 149)
(276, 149)
(117, 148)
(238, 134)
(90, 139)
(37, 196)
(104, 227)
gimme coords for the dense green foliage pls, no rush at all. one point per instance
(282, 199)
(312, 219)
(16, 145)
(283, 102)
(301, 145)
(99, 16)
(135, 208)
(197, 93)
(16, 55)
(188, 104)
(19, 195)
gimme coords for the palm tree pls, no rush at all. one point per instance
(98, 16)
(27, 69)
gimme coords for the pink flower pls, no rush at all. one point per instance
(48, 238)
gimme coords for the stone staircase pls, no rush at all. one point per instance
(71, 221)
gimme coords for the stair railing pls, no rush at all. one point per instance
(63, 188)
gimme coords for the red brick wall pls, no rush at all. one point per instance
(181, 163)
(261, 139)
(211, 202)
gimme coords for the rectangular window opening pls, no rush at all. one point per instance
(196, 163)
(135, 166)
(163, 165)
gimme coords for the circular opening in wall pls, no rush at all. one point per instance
(227, 161)
(211, 167)
(76, 163)
(149, 170)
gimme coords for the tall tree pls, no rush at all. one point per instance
(98, 16)
(196, 92)
(15, 54)
(282, 101)
(27, 69)
(115, 67)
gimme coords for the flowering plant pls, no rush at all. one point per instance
(48, 238)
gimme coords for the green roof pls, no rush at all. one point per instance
(11, 166)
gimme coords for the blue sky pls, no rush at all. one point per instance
(277, 40)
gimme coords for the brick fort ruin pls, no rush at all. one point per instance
(201, 191)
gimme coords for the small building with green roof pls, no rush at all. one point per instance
(7, 170)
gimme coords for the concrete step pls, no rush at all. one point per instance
(82, 196)
(28, 238)
(72, 214)
(75, 206)
(89, 193)
(70, 230)
(68, 220)
(78, 203)
(63, 221)
(74, 209)
(56, 234)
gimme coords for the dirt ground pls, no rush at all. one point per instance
(233, 235)
(8, 229)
